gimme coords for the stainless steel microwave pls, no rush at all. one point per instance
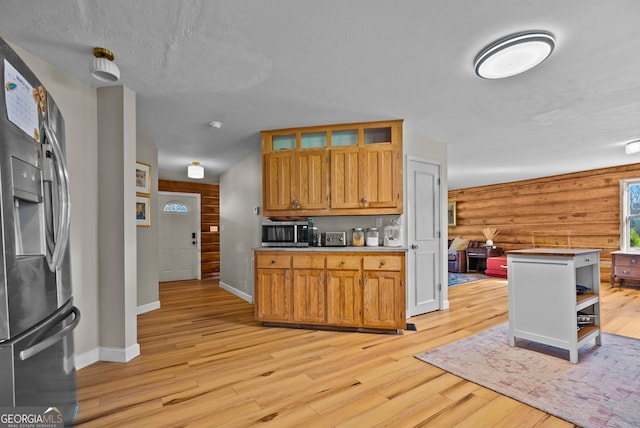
(285, 234)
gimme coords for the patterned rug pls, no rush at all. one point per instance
(603, 389)
(461, 278)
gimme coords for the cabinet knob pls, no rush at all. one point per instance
(415, 246)
(382, 263)
(273, 262)
(363, 200)
(633, 260)
(587, 259)
(341, 262)
(296, 203)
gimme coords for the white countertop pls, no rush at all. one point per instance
(336, 249)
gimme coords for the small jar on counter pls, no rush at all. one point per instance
(372, 237)
(357, 239)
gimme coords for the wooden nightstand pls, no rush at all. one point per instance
(624, 265)
(477, 257)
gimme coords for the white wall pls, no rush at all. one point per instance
(148, 242)
(240, 192)
(78, 104)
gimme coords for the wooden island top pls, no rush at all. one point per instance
(553, 252)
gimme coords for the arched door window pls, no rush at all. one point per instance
(175, 207)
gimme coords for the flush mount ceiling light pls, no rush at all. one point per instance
(195, 170)
(215, 124)
(632, 147)
(102, 67)
(514, 54)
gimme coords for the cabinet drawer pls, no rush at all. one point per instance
(627, 271)
(627, 260)
(265, 261)
(308, 262)
(586, 259)
(389, 263)
(343, 262)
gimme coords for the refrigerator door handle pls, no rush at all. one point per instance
(32, 350)
(62, 228)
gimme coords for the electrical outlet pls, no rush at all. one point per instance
(256, 210)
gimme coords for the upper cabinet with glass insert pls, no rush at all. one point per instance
(345, 169)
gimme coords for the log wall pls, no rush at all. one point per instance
(578, 210)
(209, 216)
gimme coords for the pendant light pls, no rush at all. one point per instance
(195, 170)
(514, 54)
(102, 67)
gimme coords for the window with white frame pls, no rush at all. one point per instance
(630, 215)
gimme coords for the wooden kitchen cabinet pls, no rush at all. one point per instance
(339, 289)
(344, 290)
(273, 287)
(346, 169)
(295, 181)
(309, 291)
(383, 292)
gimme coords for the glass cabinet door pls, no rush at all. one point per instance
(344, 138)
(283, 142)
(377, 135)
(313, 140)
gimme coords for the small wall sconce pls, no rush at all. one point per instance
(102, 67)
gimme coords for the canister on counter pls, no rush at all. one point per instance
(357, 239)
(372, 237)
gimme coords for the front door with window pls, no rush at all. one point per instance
(179, 236)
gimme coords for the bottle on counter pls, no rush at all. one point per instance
(372, 239)
(357, 239)
(315, 237)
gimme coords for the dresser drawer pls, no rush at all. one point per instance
(389, 263)
(627, 271)
(266, 261)
(627, 260)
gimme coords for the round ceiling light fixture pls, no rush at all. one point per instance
(102, 67)
(195, 170)
(632, 147)
(514, 54)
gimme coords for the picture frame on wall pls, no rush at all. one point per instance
(143, 178)
(451, 213)
(143, 211)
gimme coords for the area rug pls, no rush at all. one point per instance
(602, 390)
(462, 278)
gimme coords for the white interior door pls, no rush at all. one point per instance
(179, 215)
(423, 217)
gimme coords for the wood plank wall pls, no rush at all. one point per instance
(578, 210)
(209, 216)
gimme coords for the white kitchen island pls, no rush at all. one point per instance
(544, 305)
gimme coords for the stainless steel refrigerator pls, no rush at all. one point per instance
(37, 315)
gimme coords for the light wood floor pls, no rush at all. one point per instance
(205, 362)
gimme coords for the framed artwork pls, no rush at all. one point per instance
(143, 178)
(143, 211)
(451, 213)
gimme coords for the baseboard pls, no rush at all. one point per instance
(88, 358)
(119, 355)
(445, 305)
(240, 294)
(148, 307)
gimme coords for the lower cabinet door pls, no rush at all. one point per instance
(273, 295)
(384, 300)
(309, 296)
(344, 297)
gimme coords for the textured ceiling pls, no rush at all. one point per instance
(256, 64)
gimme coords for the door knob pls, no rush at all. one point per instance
(415, 246)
